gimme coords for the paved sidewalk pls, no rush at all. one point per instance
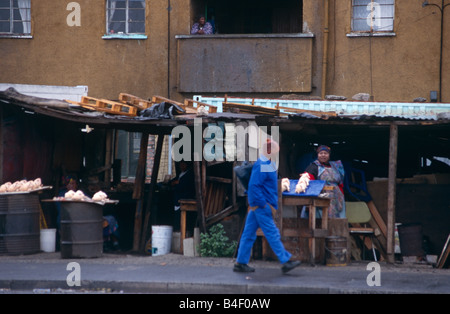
(174, 273)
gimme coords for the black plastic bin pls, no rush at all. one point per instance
(81, 229)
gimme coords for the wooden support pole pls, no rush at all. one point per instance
(393, 143)
(198, 193)
(2, 148)
(147, 228)
(138, 190)
(108, 156)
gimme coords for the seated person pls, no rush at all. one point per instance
(110, 233)
(202, 27)
(70, 183)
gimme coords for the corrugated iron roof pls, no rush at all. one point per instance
(444, 116)
(345, 109)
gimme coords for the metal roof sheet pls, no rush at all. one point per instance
(410, 111)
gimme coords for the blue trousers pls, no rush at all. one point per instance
(261, 218)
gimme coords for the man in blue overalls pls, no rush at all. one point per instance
(262, 199)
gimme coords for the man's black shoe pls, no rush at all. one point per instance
(289, 265)
(243, 268)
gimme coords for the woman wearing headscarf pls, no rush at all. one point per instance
(332, 172)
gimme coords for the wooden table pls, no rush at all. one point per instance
(185, 206)
(312, 233)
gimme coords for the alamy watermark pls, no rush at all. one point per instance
(74, 277)
(74, 17)
(210, 143)
(374, 278)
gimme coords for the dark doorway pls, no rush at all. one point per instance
(252, 16)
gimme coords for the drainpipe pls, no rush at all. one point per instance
(169, 8)
(325, 48)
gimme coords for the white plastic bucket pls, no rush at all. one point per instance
(48, 240)
(161, 240)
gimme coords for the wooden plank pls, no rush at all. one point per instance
(305, 233)
(141, 166)
(393, 146)
(89, 107)
(146, 230)
(219, 179)
(209, 198)
(159, 99)
(198, 193)
(135, 101)
(444, 255)
(108, 156)
(107, 106)
(361, 229)
(377, 217)
(250, 109)
(189, 103)
(114, 107)
(137, 191)
(2, 148)
(90, 101)
(221, 215)
(305, 201)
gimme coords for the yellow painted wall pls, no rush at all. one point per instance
(397, 68)
(62, 55)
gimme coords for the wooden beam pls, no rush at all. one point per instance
(108, 156)
(198, 193)
(141, 166)
(219, 179)
(444, 255)
(377, 217)
(393, 146)
(147, 227)
(221, 215)
(1, 145)
(137, 191)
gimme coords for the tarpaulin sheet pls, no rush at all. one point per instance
(314, 188)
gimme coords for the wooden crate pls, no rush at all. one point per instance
(118, 108)
(107, 106)
(135, 101)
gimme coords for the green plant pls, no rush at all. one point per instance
(216, 244)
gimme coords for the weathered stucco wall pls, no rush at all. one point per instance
(398, 68)
(226, 64)
(62, 55)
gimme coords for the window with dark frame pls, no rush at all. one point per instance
(15, 17)
(371, 16)
(125, 17)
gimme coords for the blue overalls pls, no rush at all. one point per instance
(262, 193)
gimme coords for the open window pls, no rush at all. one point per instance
(251, 16)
